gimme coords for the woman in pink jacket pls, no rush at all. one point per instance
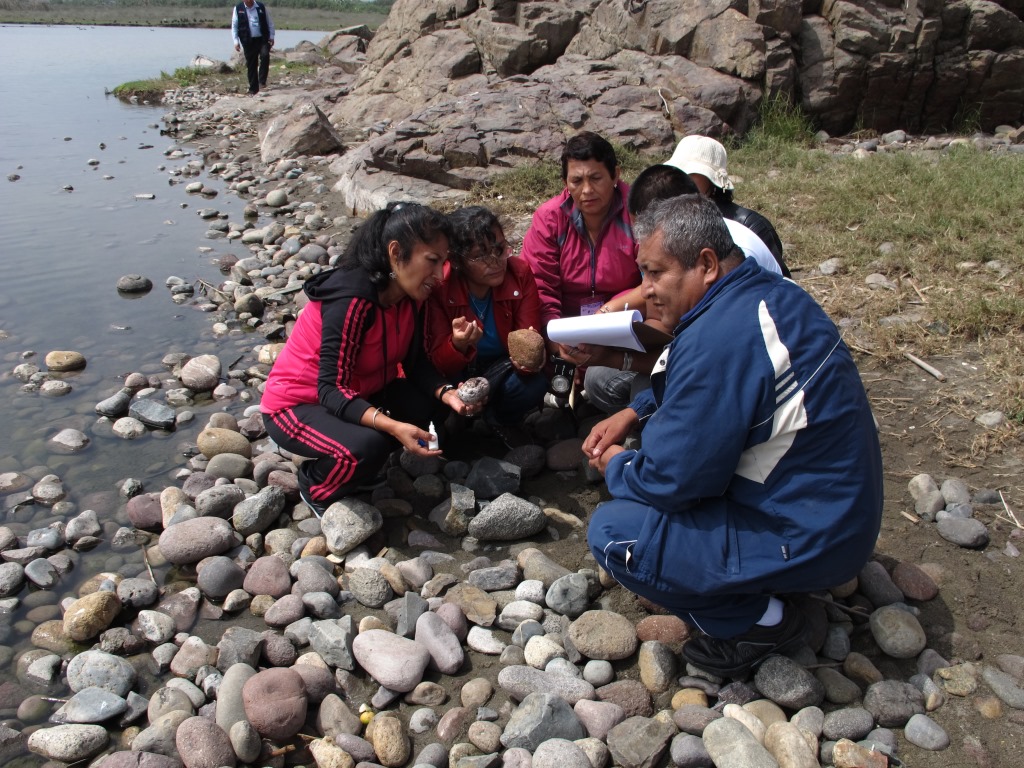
(581, 249)
(353, 382)
(580, 245)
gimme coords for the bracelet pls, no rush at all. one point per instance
(376, 413)
(444, 390)
(627, 361)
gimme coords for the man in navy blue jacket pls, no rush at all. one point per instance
(253, 33)
(760, 472)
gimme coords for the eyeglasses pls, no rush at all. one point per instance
(495, 255)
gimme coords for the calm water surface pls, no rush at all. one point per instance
(61, 253)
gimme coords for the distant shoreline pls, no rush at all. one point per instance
(183, 17)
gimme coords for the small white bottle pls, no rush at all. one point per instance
(433, 444)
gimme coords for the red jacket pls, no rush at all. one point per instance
(568, 271)
(516, 306)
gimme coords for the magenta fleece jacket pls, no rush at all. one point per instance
(567, 270)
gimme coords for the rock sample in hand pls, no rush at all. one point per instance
(475, 390)
(526, 348)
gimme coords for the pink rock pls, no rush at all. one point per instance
(144, 512)
(286, 610)
(452, 722)
(454, 618)
(268, 576)
(670, 630)
(914, 582)
(275, 703)
(441, 642)
(319, 681)
(598, 717)
(137, 760)
(203, 744)
(191, 540)
(393, 661)
(631, 695)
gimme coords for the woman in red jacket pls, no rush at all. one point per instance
(336, 393)
(485, 297)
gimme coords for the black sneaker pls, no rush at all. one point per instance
(738, 655)
(318, 509)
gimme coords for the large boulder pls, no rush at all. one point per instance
(451, 92)
(304, 130)
(537, 35)
(730, 43)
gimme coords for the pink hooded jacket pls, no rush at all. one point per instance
(567, 270)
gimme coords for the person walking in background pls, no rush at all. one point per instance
(704, 159)
(485, 297)
(336, 393)
(253, 33)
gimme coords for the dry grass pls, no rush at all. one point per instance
(943, 227)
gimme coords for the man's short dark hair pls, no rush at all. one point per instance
(588, 146)
(688, 224)
(658, 182)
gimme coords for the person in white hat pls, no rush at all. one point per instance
(704, 159)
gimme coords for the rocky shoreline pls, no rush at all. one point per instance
(452, 618)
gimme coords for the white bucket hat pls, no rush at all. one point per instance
(703, 155)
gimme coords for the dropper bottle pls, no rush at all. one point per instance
(433, 445)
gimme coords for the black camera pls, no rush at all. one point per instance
(561, 379)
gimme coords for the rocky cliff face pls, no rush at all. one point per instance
(449, 90)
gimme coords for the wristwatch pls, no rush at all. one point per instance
(444, 389)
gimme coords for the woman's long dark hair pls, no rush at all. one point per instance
(471, 227)
(407, 223)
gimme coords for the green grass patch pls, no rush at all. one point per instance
(937, 210)
(154, 88)
(780, 126)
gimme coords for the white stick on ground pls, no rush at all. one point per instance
(925, 367)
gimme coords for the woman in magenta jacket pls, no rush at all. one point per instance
(485, 296)
(580, 245)
(353, 383)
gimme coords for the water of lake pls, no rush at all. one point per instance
(62, 252)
